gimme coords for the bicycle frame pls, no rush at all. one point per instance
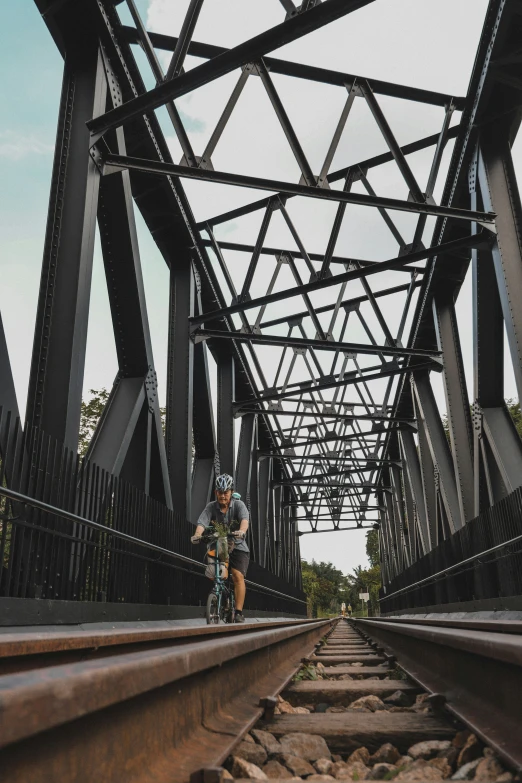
(223, 588)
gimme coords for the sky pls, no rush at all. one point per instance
(416, 42)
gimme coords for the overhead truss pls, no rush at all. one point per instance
(323, 358)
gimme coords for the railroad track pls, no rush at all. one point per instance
(208, 704)
(158, 704)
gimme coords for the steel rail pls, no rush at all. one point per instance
(462, 665)
(18, 643)
(39, 504)
(156, 709)
(471, 623)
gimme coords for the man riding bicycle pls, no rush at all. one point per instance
(226, 510)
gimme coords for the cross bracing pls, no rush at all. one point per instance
(325, 339)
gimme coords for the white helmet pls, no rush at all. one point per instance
(224, 482)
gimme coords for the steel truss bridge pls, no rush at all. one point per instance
(326, 360)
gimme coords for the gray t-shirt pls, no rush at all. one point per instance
(237, 511)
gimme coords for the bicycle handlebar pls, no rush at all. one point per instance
(210, 536)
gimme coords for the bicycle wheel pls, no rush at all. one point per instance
(213, 609)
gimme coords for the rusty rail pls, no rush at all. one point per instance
(475, 666)
(139, 706)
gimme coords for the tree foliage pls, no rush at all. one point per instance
(326, 587)
(372, 547)
(513, 407)
(91, 411)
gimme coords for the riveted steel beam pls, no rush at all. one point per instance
(57, 365)
(113, 162)
(284, 33)
(303, 71)
(321, 345)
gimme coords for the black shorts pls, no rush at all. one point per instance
(239, 560)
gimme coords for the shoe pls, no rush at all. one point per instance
(239, 617)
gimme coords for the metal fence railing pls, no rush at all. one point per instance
(482, 560)
(72, 531)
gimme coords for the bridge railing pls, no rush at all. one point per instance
(70, 531)
(477, 568)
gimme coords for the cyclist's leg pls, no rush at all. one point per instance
(239, 588)
(238, 568)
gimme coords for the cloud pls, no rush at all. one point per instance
(14, 146)
(194, 124)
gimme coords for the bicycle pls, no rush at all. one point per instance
(221, 600)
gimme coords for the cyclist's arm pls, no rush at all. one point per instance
(205, 519)
(243, 525)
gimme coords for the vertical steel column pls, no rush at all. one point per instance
(488, 364)
(244, 463)
(411, 518)
(57, 366)
(283, 530)
(398, 498)
(254, 500)
(428, 477)
(499, 191)
(278, 497)
(225, 415)
(118, 440)
(180, 371)
(457, 402)
(394, 524)
(298, 580)
(499, 450)
(264, 494)
(387, 531)
(204, 434)
(438, 445)
(395, 480)
(244, 456)
(413, 477)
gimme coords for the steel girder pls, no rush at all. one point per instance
(54, 396)
(480, 461)
(387, 439)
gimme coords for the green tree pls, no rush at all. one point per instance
(513, 407)
(367, 580)
(325, 586)
(91, 411)
(310, 587)
(372, 547)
